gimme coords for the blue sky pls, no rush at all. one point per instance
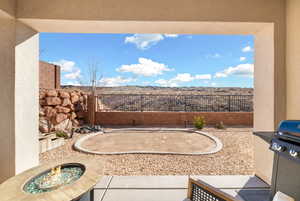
(152, 59)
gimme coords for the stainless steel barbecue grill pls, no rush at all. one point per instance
(286, 168)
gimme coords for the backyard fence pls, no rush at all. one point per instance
(174, 103)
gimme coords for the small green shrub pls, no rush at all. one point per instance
(62, 134)
(220, 125)
(199, 122)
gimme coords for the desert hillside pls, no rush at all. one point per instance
(192, 99)
(170, 90)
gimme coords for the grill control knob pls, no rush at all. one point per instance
(277, 147)
(294, 153)
(280, 133)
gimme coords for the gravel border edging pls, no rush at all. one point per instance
(218, 144)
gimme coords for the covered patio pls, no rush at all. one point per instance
(274, 23)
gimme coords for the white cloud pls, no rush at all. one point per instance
(203, 77)
(145, 67)
(245, 70)
(73, 83)
(66, 66)
(115, 81)
(213, 84)
(243, 58)
(145, 41)
(171, 35)
(73, 75)
(181, 78)
(247, 49)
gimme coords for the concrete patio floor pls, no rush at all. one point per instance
(174, 188)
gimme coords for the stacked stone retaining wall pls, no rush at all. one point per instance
(61, 109)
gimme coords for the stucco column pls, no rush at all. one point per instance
(19, 97)
(269, 93)
(293, 59)
(264, 100)
(264, 76)
(26, 97)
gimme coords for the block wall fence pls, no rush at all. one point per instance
(49, 76)
(172, 118)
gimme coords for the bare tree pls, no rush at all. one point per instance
(93, 77)
(91, 80)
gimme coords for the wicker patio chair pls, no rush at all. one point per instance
(201, 191)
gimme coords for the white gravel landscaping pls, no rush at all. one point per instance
(236, 158)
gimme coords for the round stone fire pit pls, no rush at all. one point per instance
(61, 181)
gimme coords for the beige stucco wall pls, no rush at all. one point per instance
(8, 7)
(18, 105)
(26, 98)
(264, 67)
(155, 10)
(7, 41)
(293, 59)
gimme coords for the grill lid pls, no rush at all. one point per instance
(289, 128)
